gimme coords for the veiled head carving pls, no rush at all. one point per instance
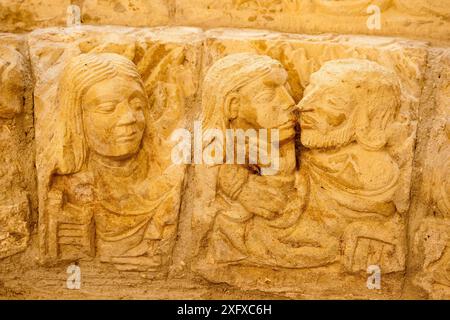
(349, 100)
(246, 91)
(12, 87)
(102, 105)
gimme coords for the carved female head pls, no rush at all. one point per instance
(102, 105)
(349, 100)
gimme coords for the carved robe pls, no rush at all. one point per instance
(231, 239)
(351, 209)
(249, 227)
(133, 208)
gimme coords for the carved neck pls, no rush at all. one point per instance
(111, 162)
(288, 160)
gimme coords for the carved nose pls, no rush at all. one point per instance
(128, 118)
(286, 98)
(305, 105)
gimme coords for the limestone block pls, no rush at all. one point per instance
(24, 15)
(106, 102)
(421, 19)
(346, 109)
(126, 12)
(17, 175)
(360, 186)
(430, 232)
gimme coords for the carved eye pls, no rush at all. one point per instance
(333, 114)
(137, 103)
(265, 96)
(107, 107)
(336, 119)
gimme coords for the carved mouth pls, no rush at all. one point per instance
(127, 137)
(307, 122)
(286, 126)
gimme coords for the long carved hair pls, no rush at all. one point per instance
(224, 79)
(81, 73)
(374, 93)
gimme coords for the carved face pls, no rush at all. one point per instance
(113, 117)
(326, 117)
(267, 103)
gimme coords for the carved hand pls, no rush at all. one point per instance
(261, 199)
(231, 180)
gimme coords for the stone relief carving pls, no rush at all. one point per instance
(299, 220)
(114, 183)
(248, 203)
(330, 210)
(352, 198)
(108, 99)
(15, 200)
(109, 189)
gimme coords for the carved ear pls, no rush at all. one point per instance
(368, 135)
(232, 106)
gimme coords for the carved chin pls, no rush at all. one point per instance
(119, 150)
(127, 149)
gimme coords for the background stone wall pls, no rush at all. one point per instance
(417, 19)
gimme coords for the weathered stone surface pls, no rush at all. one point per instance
(20, 15)
(25, 15)
(17, 175)
(136, 13)
(421, 19)
(430, 227)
